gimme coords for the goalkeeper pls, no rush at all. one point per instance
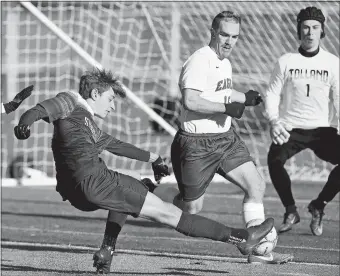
(302, 105)
(18, 99)
(84, 180)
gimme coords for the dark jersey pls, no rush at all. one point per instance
(78, 141)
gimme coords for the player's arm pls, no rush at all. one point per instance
(121, 148)
(271, 99)
(60, 106)
(192, 83)
(271, 96)
(335, 90)
(18, 99)
(23, 130)
(48, 110)
(194, 102)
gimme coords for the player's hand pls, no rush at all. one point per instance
(18, 99)
(279, 133)
(22, 132)
(253, 98)
(160, 169)
(148, 183)
(23, 94)
(234, 110)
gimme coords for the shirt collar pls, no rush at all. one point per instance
(308, 54)
(84, 103)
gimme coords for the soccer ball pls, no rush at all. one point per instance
(268, 243)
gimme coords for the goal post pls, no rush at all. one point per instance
(144, 44)
(62, 35)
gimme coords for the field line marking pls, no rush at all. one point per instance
(150, 253)
(156, 238)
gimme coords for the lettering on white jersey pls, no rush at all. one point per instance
(320, 75)
(224, 84)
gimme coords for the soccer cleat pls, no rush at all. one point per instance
(102, 259)
(316, 225)
(256, 234)
(270, 258)
(288, 221)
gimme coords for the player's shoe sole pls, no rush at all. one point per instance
(256, 234)
(102, 260)
(270, 258)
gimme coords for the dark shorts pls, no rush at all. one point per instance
(197, 157)
(108, 190)
(323, 141)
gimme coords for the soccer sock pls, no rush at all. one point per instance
(114, 224)
(253, 211)
(291, 209)
(198, 226)
(330, 190)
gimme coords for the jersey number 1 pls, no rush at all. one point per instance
(307, 90)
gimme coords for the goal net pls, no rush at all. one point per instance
(144, 44)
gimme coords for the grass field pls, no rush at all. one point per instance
(41, 235)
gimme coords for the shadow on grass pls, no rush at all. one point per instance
(171, 271)
(26, 269)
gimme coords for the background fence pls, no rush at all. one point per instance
(145, 44)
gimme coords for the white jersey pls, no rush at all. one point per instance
(204, 71)
(304, 91)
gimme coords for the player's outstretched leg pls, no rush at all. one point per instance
(197, 226)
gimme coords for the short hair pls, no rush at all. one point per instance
(101, 80)
(228, 16)
(310, 13)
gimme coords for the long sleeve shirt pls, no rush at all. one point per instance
(303, 91)
(78, 141)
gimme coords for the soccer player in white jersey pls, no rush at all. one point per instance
(301, 99)
(18, 99)
(206, 143)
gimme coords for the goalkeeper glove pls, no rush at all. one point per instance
(253, 98)
(148, 183)
(160, 169)
(234, 110)
(18, 99)
(22, 132)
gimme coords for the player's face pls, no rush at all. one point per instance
(105, 103)
(226, 38)
(310, 34)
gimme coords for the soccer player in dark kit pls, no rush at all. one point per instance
(84, 180)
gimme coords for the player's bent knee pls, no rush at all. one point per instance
(194, 207)
(157, 210)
